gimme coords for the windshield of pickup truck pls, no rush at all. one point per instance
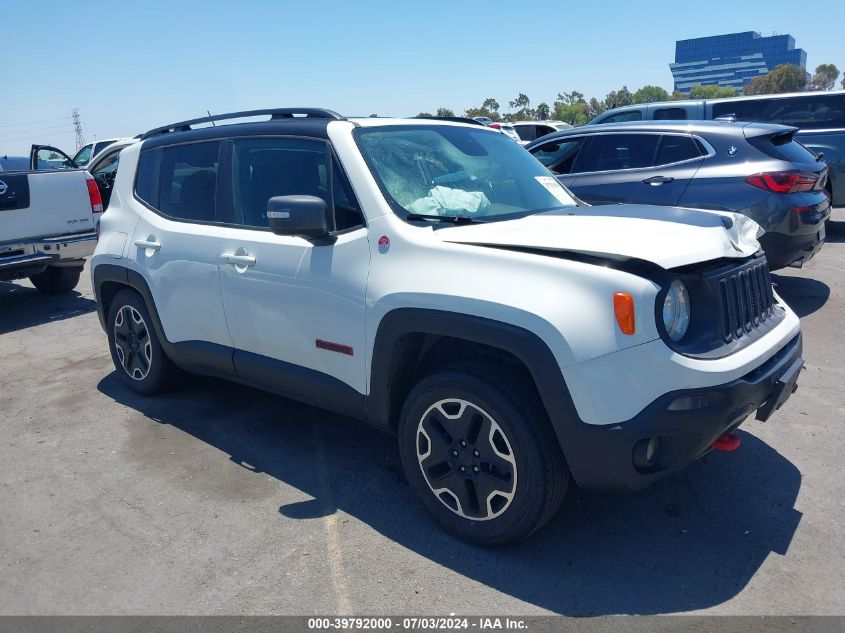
(457, 172)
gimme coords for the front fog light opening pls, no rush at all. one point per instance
(688, 403)
(676, 310)
(645, 453)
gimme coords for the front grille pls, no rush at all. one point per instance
(747, 299)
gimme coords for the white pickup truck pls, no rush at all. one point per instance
(48, 220)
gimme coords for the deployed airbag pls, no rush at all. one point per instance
(447, 201)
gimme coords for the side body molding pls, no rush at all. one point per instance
(254, 370)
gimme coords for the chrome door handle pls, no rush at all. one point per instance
(657, 180)
(148, 244)
(237, 260)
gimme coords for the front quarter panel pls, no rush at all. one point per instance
(567, 304)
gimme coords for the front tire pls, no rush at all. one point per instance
(480, 454)
(56, 279)
(135, 347)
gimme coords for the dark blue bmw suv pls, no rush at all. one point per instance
(756, 169)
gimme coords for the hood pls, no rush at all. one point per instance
(667, 236)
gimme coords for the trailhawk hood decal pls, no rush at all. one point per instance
(666, 236)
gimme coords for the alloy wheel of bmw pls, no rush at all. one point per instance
(132, 342)
(466, 459)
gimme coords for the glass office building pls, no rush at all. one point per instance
(732, 60)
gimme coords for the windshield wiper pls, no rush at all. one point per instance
(454, 219)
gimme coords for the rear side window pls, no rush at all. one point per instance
(145, 178)
(622, 117)
(180, 181)
(815, 113)
(812, 112)
(783, 147)
(612, 152)
(674, 149)
(525, 132)
(670, 114)
(188, 181)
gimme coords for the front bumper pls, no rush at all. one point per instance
(601, 457)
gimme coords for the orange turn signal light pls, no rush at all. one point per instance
(623, 307)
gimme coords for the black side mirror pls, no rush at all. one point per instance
(304, 216)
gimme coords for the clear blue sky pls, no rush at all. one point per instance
(131, 66)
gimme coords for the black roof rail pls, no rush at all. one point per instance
(276, 114)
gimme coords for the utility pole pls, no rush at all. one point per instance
(77, 125)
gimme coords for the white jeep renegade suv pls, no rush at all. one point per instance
(435, 280)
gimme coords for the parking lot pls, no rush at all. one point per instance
(219, 499)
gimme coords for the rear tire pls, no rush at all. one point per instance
(135, 347)
(514, 476)
(56, 279)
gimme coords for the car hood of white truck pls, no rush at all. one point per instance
(667, 236)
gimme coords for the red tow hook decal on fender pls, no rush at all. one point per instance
(727, 442)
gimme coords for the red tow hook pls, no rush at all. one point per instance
(727, 442)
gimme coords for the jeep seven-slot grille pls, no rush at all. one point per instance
(747, 299)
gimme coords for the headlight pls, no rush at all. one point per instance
(676, 310)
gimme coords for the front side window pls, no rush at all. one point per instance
(559, 156)
(622, 117)
(84, 155)
(188, 181)
(269, 167)
(612, 152)
(452, 171)
(51, 158)
(99, 147)
(108, 165)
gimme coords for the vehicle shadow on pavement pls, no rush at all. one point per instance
(691, 541)
(835, 231)
(22, 307)
(803, 294)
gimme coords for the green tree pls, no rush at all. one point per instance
(650, 94)
(825, 77)
(677, 96)
(491, 105)
(595, 108)
(571, 98)
(788, 78)
(425, 115)
(617, 99)
(760, 85)
(711, 92)
(571, 108)
(444, 112)
(489, 108)
(542, 112)
(522, 105)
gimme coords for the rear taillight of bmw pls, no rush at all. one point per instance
(94, 195)
(784, 181)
